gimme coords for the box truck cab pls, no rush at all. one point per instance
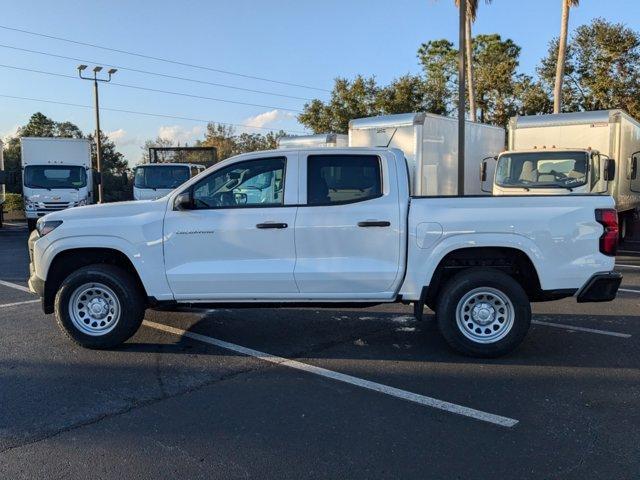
(56, 174)
(155, 180)
(552, 171)
(583, 152)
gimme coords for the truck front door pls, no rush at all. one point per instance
(348, 227)
(236, 240)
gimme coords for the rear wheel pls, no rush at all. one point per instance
(483, 313)
(99, 306)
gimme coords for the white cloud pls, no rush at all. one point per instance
(180, 134)
(121, 138)
(269, 119)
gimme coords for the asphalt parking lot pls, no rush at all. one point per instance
(308, 393)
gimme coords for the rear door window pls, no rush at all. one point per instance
(339, 179)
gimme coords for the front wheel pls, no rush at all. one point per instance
(483, 313)
(99, 306)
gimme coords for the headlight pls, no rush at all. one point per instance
(47, 226)
(29, 205)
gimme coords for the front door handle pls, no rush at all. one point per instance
(272, 225)
(374, 223)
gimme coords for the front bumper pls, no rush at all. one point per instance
(602, 287)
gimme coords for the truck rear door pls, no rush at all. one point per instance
(348, 227)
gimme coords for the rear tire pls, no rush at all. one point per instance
(31, 224)
(99, 306)
(483, 313)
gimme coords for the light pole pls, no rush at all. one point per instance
(96, 70)
(461, 94)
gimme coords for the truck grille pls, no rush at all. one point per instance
(54, 206)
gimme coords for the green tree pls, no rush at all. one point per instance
(157, 142)
(349, 100)
(438, 59)
(562, 54)
(495, 65)
(405, 94)
(222, 137)
(602, 68)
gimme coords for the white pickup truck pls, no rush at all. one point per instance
(318, 226)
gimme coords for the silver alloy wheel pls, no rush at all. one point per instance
(485, 315)
(94, 309)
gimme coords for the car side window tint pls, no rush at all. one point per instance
(336, 179)
(254, 183)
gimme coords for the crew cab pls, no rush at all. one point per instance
(330, 227)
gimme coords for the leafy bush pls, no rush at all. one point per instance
(13, 203)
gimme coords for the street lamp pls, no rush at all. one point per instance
(461, 94)
(96, 79)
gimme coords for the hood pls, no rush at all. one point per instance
(110, 210)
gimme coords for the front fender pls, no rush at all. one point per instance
(146, 258)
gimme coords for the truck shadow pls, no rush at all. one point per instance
(393, 336)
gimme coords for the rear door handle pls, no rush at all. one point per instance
(272, 225)
(374, 223)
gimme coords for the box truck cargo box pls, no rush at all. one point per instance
(430, 144)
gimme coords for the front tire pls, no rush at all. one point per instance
(483, 313)
(99, 306)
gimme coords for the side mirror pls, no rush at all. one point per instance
(183, 201)
(97, 177)
(633, 170)
(4, 177)
(609, 169)
(483, 171)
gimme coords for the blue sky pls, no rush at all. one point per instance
(301, 42)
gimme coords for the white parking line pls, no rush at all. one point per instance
(341, 377)
(627, 266)
(14, 304)
(15, 285)
(628, 290)
(581, 329)
(15, 224)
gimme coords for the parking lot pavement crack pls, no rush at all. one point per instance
(321, 347)
(135, 406)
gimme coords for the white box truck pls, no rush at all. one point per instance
(578, 153)
(56, 174)
(430, 144)
(310, 141)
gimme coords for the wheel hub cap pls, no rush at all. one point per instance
(485, 315)
(94, 309)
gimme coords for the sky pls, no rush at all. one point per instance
(287, 41)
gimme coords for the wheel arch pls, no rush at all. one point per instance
(509, 259)
(67, 261)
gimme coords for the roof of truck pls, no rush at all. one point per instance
(403, 120)
(573, 118)
(170, 164)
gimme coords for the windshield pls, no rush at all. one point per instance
(161, 176)
(542, 170)
(55, 176)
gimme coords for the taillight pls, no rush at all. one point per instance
(608, 218)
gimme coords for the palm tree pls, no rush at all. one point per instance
(472, 11)
(562, 54)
